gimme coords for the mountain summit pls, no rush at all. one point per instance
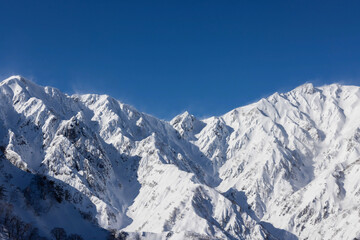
(285, 167)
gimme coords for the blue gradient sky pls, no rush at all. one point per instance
(165, 57)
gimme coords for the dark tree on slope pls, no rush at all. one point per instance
(123, 235)
(17, 229)
(34, 234)
(114, 236)
(2, 192)
(5, 212)
(13, 227)
(58, 234)
(74, 237)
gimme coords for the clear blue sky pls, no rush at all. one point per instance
(164, 57)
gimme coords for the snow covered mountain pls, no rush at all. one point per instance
(285, 167)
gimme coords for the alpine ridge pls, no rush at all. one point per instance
(285, 167)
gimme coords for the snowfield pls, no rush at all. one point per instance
(285, 167)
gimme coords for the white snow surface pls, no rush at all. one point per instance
(285, 167)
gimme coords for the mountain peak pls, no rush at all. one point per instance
(187, 125)
(14, 78)
(307, 88)
(18, 80)
(185, 116)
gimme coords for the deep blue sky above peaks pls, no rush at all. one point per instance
(164, 57)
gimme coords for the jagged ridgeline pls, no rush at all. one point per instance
(90, 167)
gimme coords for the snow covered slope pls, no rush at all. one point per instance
(285, 167)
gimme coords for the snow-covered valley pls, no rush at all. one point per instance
(285, 167)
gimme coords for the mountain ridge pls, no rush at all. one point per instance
(278, 168)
